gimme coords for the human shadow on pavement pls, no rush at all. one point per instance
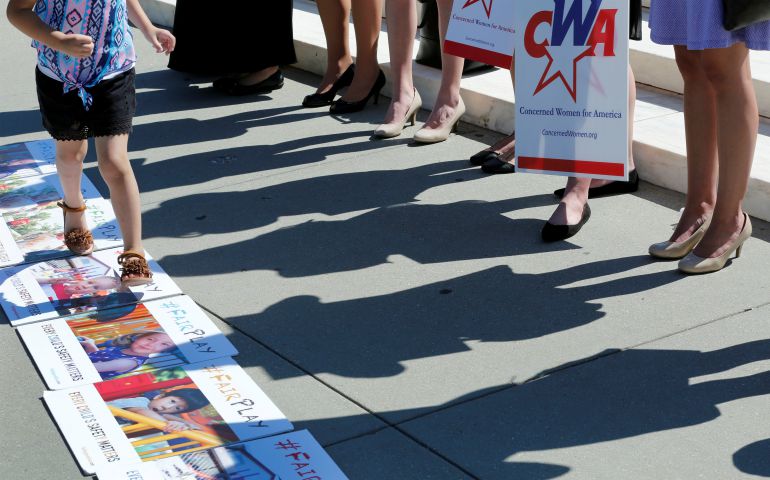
(754, 458)
(231, 211)
(621, 396)
(203, 167)
(424, 233)
(373, 337)
(18, 122)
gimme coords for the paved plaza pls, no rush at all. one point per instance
(401, 306)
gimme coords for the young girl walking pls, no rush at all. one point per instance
(85, 87)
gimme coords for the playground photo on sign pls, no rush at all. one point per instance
(572, 88)
(163, 413)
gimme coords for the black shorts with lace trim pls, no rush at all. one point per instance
(65, 118)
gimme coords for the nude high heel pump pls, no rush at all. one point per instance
(390, 130)
(677, 250)
(435, 135)
(694, 264)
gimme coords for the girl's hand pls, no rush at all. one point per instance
(161, 39)
(176, 426)
(74, 45)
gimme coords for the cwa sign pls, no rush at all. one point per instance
(572, 87)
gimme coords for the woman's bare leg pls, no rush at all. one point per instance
(737, 121)
(367, 17)
(570, 209)
(448, 97)
(700, 132)
(335, 16)
(402, 25)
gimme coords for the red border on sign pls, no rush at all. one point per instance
(572, 166)
(478, 54)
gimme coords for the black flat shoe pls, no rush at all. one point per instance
(236, 89)
(555, 233)
(225, 83)
(483, 157)
(324, 99)
(613, 188)
(497, 166)
(341, 106)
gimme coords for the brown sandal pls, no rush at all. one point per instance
(78, 240)
(134, 263)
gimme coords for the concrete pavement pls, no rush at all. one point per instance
(402, 307)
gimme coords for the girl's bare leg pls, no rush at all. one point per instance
(367, 18)
(69, 165)
(335, 15)
(737, 121)
(112, 155)
(402, 25)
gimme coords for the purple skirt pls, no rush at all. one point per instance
(697, 24)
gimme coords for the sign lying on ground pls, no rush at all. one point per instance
(163, 413)
(72, 285)
(295, 455)
(123, 341)
(33, 226)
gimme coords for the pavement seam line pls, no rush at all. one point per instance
(574, 364)
(343, 395)
(418, 442)
(545, 373)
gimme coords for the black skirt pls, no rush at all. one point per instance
(65, 118)
(232, 36)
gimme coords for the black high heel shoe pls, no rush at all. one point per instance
(323, 99)
(341, 106)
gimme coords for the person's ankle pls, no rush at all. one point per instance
(701, 209)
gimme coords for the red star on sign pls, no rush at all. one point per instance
(568, 61)
(486, 3)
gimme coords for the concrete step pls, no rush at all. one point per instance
(659, 145)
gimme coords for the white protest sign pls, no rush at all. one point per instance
(572, 87)
(482, 30)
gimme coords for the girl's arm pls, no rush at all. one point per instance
(119, 365)
(20, 14)
(161, 39)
